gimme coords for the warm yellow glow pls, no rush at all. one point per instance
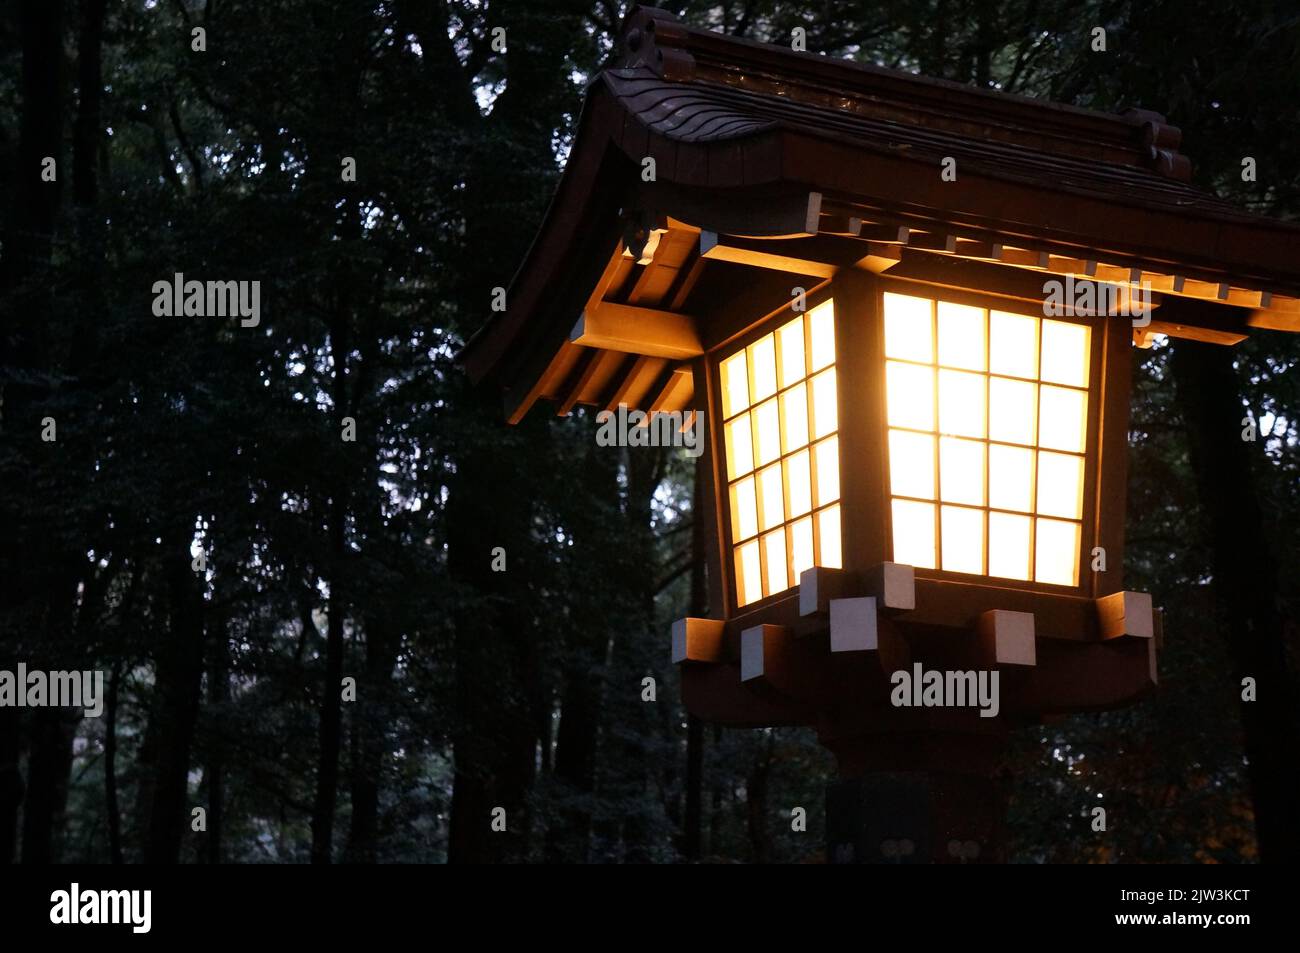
(961, 404)
(961, 471)
(744, 509)
(1013, 344)
(1011, 478)
(1056, 552)
(826, 461)
(767, 433)
(735, 385)
(1013, 409)
(762, 369)
(910, 395)
(825, 401)
(798, 484)
(961, 336)
(1009, 429)
(749, 581)
(789, 339)
(909, 334)
(962, 539)
(774, 554)
(828, 537)
(801, 546)
(794, 418)
(1009, 545)
(740, 447)
(821, 334)
(771, 500)
(1062, 418)
(1060, 485)
(914, 533)
(1065, 353)
(781, 408)
(911, 464)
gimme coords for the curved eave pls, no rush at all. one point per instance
(718, 158)
(583, 212)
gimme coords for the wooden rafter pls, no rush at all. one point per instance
(635, 330)
(676, 393)
(762, 254)
(637, 382)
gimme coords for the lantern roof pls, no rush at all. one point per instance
(708, 168)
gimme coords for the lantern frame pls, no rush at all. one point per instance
(866, 530)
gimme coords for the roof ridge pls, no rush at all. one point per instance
(656, 40)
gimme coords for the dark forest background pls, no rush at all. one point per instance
(324, 559)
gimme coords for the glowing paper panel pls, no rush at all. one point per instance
(914, 533)
(780, 406)
(987, 415)
(909, 332)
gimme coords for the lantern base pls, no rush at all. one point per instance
(932, 798)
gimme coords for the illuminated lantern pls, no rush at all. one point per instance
(915, 386)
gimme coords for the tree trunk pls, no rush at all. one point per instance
(11, 783)
(331, 719)
(586, 646)
(53, 729)
(179, 682)
(495, 740)
(370, 742)
(1245, 582)
(111, 808)
(219, 697)
(24, 292)
(47, 791)
(760, 846)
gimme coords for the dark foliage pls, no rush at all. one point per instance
(201, 531)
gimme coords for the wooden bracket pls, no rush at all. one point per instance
(1007, 638)
(697, 640)
(894, 586)
(637, 330)
(1126, 615)
(818, 586)
(853, 625)
(755, 646)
